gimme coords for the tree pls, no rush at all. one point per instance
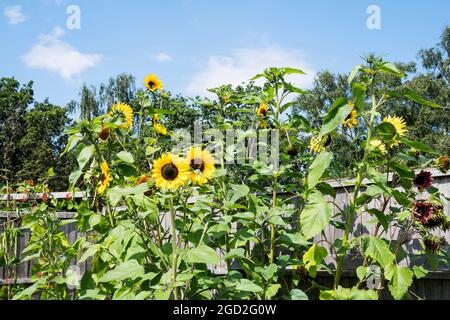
(429, 125)
(94, 102)
(43, 142)
(31, 137)
(14, 100)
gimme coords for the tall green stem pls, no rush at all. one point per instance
(358, 182)
(275, 181)
(272, 226)
(174, 248)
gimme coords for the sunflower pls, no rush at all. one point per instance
(156, 117)
(145, 179)
(262, 110)
(105, 178)
(378, 145)
(153, 83)
(170, 172)
(433, 243)
(318, 145)
(437, 220)
(423, 211)
(351, 119)
(443, 164)
(124, 110)
(159, 128)
(263, 124)
(142, 179)
(399, 125)
(423, 180)
(202, 165)
(104, 134)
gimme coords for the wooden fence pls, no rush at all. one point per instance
(436, 285)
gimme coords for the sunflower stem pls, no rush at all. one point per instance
(272, 226)
(174, 247)
(359, 179)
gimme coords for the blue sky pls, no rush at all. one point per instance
(195, 44)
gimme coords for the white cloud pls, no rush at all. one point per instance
(243, 64)
(14, 14)
(53, 54)
(162, 57)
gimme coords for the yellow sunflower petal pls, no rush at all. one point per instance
(378, 145)
(125, 111)
(153, 83)
(398, 123)
(201, 164)
(105, 178)
(351, 119)
(262, 110)
(170, 172)
(160, 129)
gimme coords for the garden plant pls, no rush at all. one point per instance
(165, 216)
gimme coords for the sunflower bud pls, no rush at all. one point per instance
(292, 151)
(104, 135)
(443, 164)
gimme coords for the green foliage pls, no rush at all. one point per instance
(31, 137)
(146, 238)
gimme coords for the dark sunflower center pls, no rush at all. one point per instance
(327, 141)
(103, 178)
(151, 84)
(197, 164)
(420, 180)
(263, 111)
(169, 172)
(421, 211)
(348, 117)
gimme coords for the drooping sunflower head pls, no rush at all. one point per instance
(292, 151)
(437, 220)
(423, 211)
(352, 119)
(104, 134)
(124, 111)
(153, 83)
(443, 164)
(377, 144)
(170, 172)
(201, 164)
(399, 125)
(146, 179)
(262, 110)
(105, 178)
(160, 129)
(423, 180)
(142, 179)
(433, 243)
